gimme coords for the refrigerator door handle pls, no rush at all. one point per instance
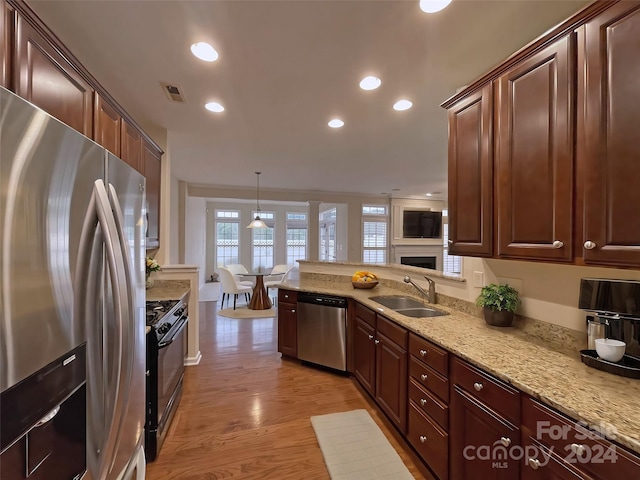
(100, 213)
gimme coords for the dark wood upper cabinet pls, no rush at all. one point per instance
(131, 148)
(5, 43)
(609, 91)
(151, 161)
(471, 175)
(534, 139)
(107, 126)
(47, 79)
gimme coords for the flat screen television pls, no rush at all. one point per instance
(421, 224)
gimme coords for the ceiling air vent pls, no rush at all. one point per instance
(173, 92)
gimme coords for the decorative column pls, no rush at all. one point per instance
(313, 240)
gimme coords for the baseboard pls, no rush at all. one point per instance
(191, 361)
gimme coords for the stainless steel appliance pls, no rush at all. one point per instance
(72, 271)
(322, 330)
(166, 351)
(616, 305)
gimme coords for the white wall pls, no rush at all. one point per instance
(196, 234)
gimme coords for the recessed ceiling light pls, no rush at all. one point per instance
(370, 83)
(429, 194)
(336, 123)
(403, 104)
(433, 6)
(214, 107)
(204, 51)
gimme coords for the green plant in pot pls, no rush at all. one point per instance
(499, 302)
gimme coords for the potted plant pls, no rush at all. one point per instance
(499, 302)
(151, 266)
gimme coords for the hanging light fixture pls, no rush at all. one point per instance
(257, 222)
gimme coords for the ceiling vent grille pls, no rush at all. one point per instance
(173, 92)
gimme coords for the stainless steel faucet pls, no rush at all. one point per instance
(431, 296)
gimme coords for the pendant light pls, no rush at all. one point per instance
(257, 222)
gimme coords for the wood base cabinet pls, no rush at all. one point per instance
(287, 323)
(379, 353)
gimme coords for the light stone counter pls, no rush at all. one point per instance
(168, 290)
(601, 400)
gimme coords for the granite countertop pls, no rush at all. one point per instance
(168, 290)
(603, 401)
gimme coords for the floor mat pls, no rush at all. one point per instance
(354, 447)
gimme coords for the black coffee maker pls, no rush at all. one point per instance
(615, 304)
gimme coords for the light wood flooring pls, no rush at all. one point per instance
(245, 411)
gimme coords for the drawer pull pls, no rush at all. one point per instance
(424, 377)
(577, 449)
(293, 311)
(423, 353)
(376, 342)
(589, 245)
(423, 438)
(286, 296)
(423, 401)
(534, 463)
(558, 244)
(370, 337)
(506, 441)
(478, 386)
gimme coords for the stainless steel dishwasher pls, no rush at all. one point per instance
(322, 330)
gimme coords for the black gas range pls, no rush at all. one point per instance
(166, 351)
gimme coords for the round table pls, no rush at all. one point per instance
(259, 298)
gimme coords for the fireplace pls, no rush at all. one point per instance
(423, 262)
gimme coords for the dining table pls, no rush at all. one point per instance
(259, 298)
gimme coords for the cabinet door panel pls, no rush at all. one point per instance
(391, 380)
(107, 125)
(151, 159)
(131, 148)
(5, 43)
(364, 355)
(471, 175)
(288, 330)
(611, 95)
(534, 155)
(474, 428)
(46, 79)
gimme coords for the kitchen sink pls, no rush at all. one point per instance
(407, 306)
(396, 302)
(421, 312)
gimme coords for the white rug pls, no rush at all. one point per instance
(244, 312)
(354, 447)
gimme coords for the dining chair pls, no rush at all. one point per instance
(278, 281)
(237, 269)
(229, 287)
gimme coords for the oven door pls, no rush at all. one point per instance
(172, 350)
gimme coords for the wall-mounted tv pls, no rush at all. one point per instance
(421, 224)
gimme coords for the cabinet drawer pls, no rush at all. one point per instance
(431, 443)
(539, 463)
(429, 378)
(393, 332)
(436, 357)
(429, 404)
(494, 393)
(366, 314)
(587, 449)
(287, 296)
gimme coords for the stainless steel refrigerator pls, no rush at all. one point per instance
(72, 272)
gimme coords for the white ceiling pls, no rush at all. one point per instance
(286, 68)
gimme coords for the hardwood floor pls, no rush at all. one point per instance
(245, 411)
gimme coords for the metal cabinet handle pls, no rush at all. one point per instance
(577, 448)
(478, 386)
(534, 463)
(558, 244)
(589, 245)
(424, 377)
(423, 352)
(286, 296)
(370, 337)
(423, 401)
(506, 441)
(293, 310)
(423, 438)
(450, 242)
(376, 342)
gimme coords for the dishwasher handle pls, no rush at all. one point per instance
(319, 299)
